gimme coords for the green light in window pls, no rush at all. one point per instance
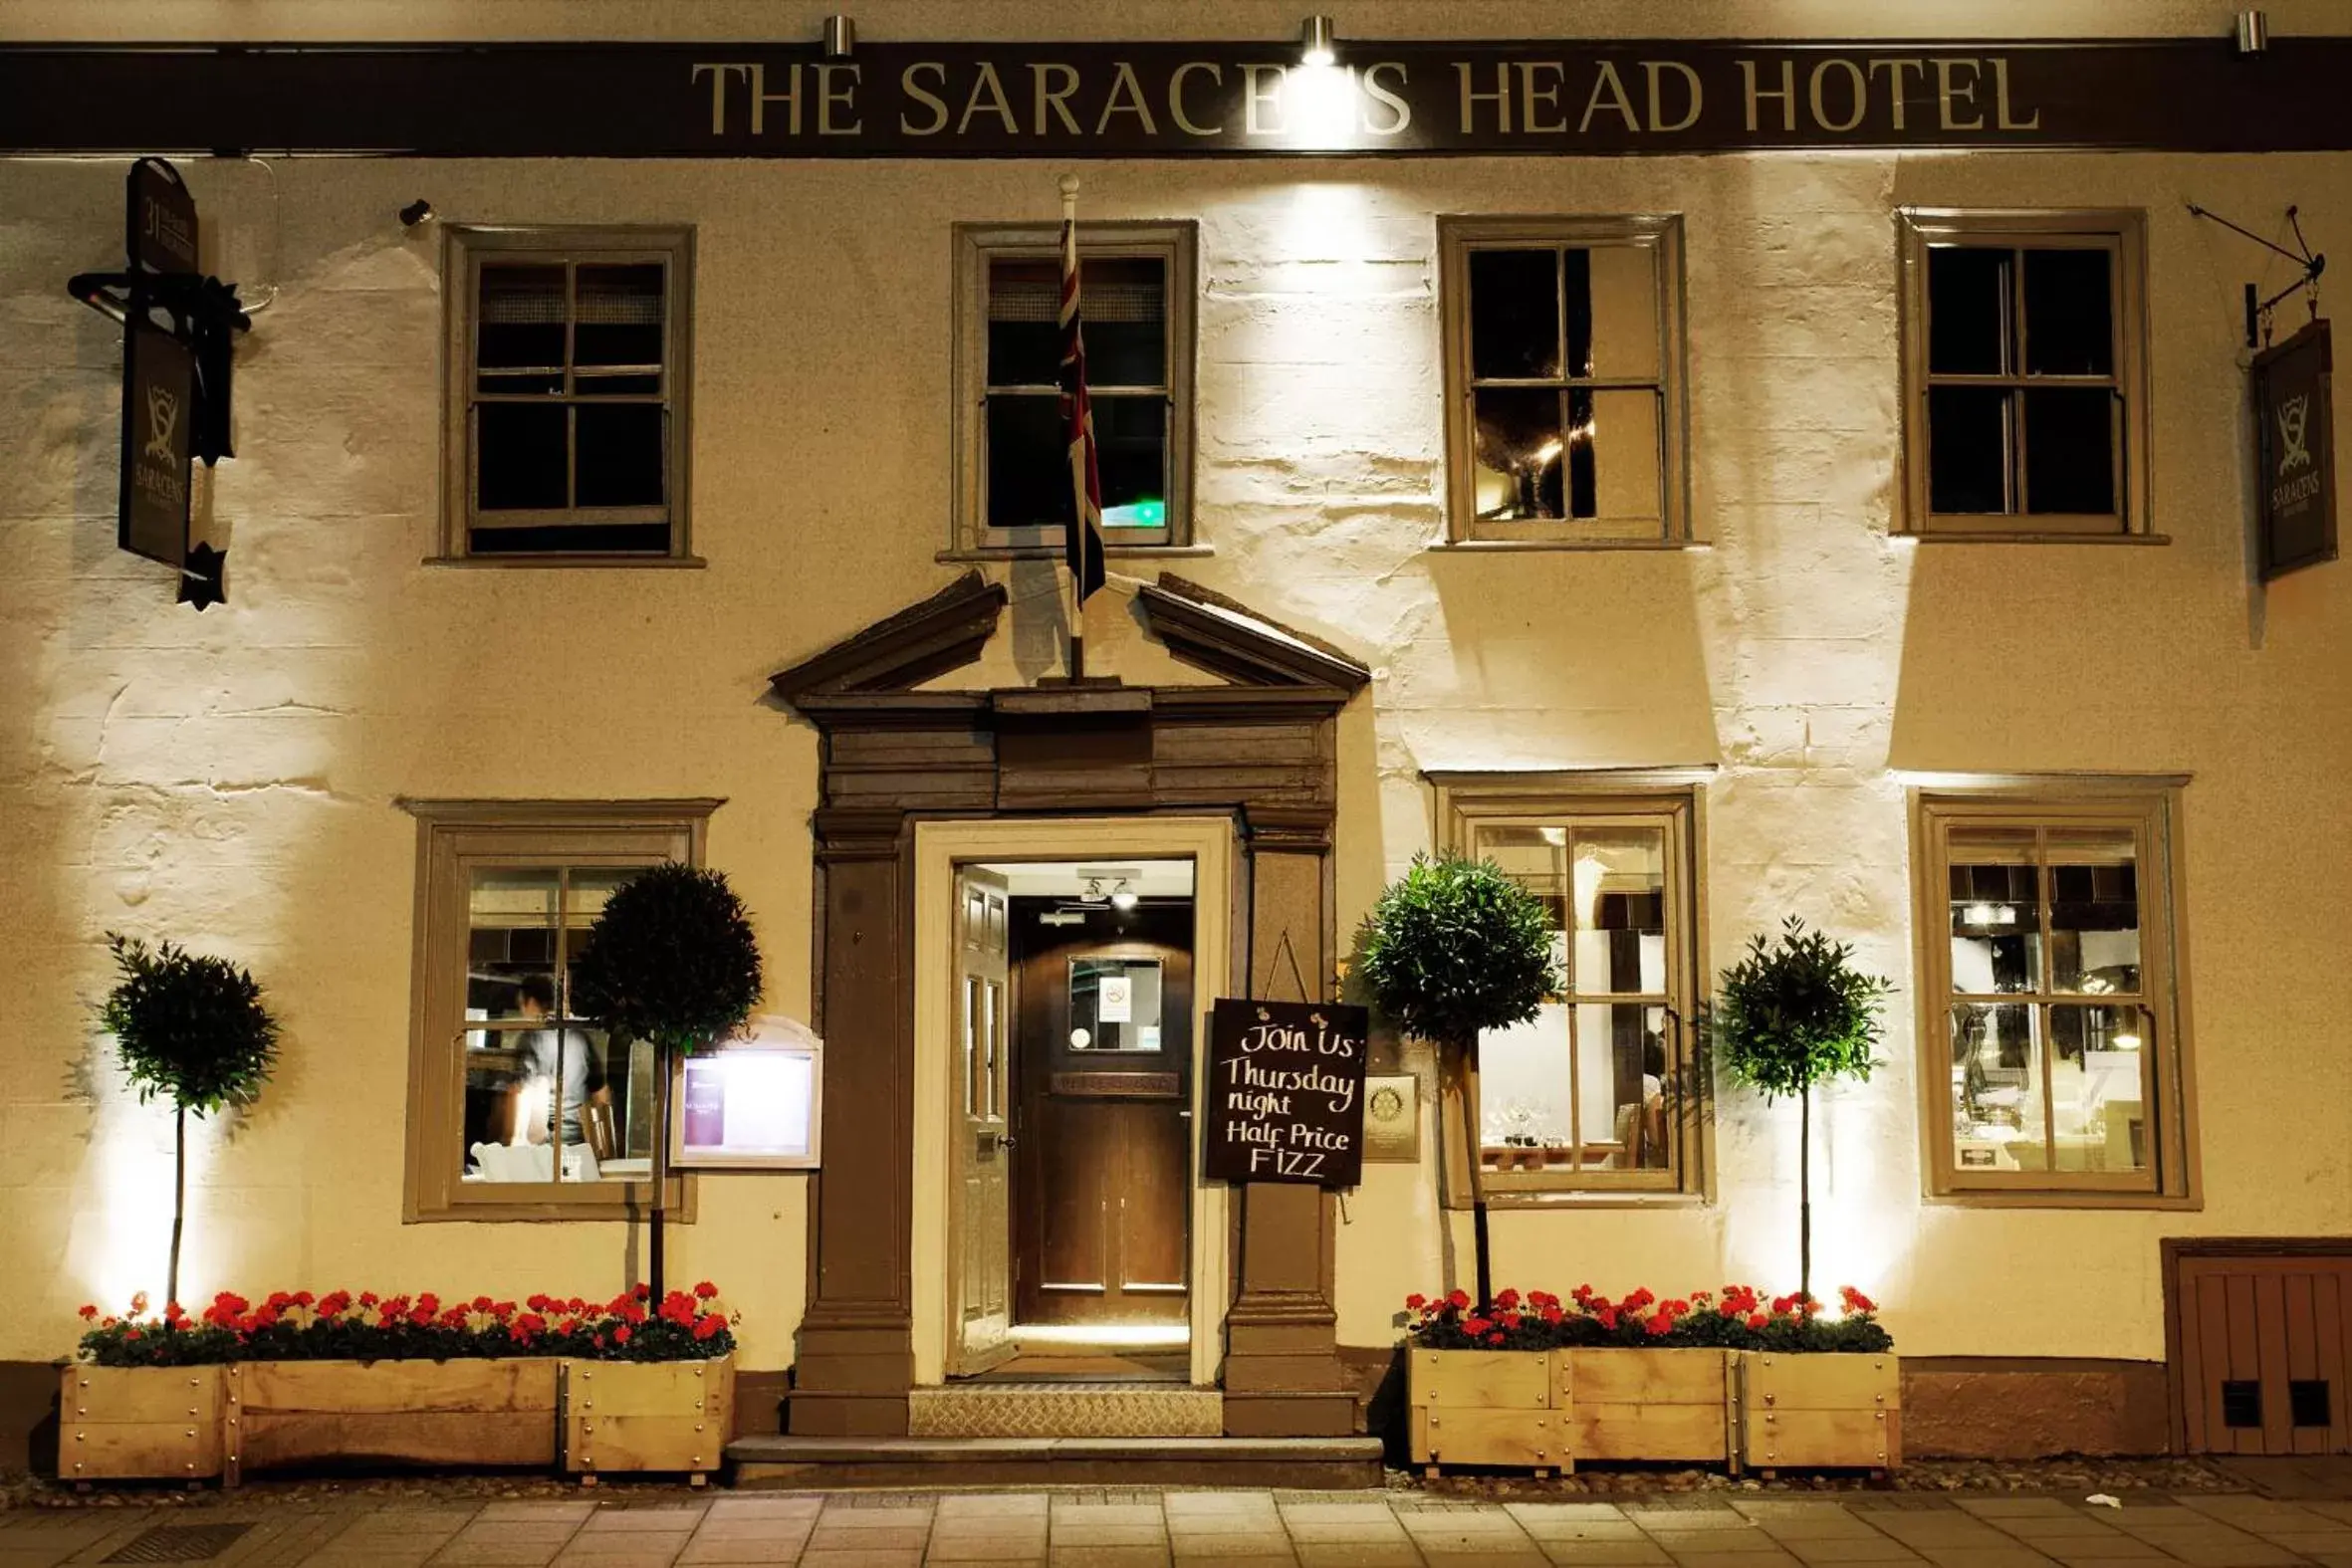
(1137, 514)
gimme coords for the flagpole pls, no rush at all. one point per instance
(1077, 602)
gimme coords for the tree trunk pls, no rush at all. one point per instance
(180, 1200)
(1805, 1196)
(1478, 1180)
(659, 1163)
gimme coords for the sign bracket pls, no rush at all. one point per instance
(2259, 310)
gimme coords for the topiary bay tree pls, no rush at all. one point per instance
(194, 1031)
(1454, 946)
(1793, 1014)
(671, 959)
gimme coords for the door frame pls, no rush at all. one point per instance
(1209, 842)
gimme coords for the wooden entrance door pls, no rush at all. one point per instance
(2262, 1344)
(1102, 1179)
(982, 1220)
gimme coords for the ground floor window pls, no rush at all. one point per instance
(519, 1107)
(1599, 1093)
(2052, 1046)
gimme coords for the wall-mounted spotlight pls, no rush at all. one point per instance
(841, 38)
(2254, 32)
(416, 212)
(1318, 42)
(1123, 896)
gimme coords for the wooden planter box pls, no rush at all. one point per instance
(443, 1413)
(1652, 1404)
(673, 1416)
(1820, 1411)
(1491, 1406)
(140, 1422)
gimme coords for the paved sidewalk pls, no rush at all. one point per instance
(1227, 1529)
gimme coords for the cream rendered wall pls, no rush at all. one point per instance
(228, 778)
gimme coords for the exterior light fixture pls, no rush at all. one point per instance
(1318, 42)
(1123, 896)
(2128, 1039)
(1094, 893)
(2254, 32)
(841, 38)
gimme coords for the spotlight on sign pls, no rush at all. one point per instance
(1318, 42)
(841, 38)
(2254, 32)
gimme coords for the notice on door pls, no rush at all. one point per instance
(1285, 1093)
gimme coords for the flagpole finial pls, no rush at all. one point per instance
(1069, 187)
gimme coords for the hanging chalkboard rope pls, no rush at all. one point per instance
(1282, 949)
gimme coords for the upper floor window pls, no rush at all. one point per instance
(2050, 1022)
(569, 373)
(518, 1107)
(1135, 283)
(1563, 380)
(1601, 1092)
(2026, 406)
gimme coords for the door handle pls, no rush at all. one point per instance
(1003, 1140)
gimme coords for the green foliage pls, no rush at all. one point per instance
(671, 959)
(1454, 945)
(1795, 1013)
(188, 1027)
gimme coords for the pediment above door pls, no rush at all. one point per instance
(948, 630)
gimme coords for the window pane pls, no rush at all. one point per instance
(617, 315)
(1123, 311)
(1536, 858)
(621, 456)
(1621, 321)
(1131, 455)
(519, 319)
(1968, 449)
(1028, 463)
(1613, 459)
(1515, 326)
(1968, 309)
(1115, 1003)
(2071, 450)
(1996, 912)
(1623, 1086)
(1995, 1088)
(2095, 912)
(1523, 1106)
(1023, 321)
(2069, 319)
(605, 538)
(519, 455)
(2098, 1087)
(509, 945)
(1518, 448)
(1618, 892)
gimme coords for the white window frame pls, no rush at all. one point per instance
(1662, 236)
(1176, 245)
(1672, 797)
(2120, 231)
(465, 250)
(453, 838)
(2150, 808)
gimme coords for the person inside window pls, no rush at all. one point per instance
(1641, 1129)
(582, 1084)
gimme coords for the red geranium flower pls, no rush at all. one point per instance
(1756, 1320)
(709, 1325)
(620, 1335)
(1659, 1326)
(1457, 1298)
(1414, 1303)
(706, 1291)
(88, 1312)
(1494, 1339)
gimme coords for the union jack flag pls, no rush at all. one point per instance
(1084, 542)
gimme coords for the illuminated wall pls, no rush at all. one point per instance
(229, 779)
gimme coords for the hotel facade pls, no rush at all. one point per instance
(1717, 468)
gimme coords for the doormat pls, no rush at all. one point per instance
(179, 1543)
(1065, 1410)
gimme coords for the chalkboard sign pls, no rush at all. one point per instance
(1285, 1093)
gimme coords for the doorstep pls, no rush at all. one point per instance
(1283, 1462)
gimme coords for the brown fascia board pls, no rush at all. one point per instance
(944, 632)
(1206, 629)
